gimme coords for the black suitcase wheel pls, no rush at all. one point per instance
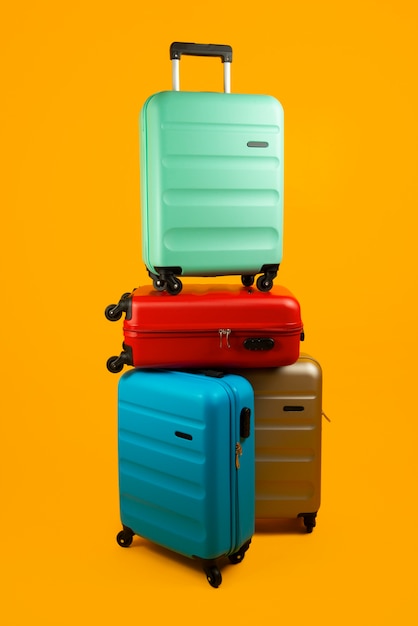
(114, 364)
(158, 284)
(237, 557)
(309, 520)
(124, 538)
(174, 285)
(264, 283)
(247, 280)
(213, 576)
(113, 313)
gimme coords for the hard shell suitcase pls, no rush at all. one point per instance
(211, 181)
(288, 424)
(186, 463)
(208, 326)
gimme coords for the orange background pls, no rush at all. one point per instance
(74, 77)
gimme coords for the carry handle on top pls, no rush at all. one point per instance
(178, 48)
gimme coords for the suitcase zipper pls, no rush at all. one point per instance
(238, 453)
(224, 332)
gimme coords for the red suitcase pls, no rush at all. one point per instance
(208, 327)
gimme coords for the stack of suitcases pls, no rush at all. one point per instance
(219, 415)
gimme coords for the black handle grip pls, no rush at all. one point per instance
(178, 48)
(245, 423)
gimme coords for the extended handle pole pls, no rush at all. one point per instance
(178, 48)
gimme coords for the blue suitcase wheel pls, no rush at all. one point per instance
(213, 576)
(237, 557)
(124, 538)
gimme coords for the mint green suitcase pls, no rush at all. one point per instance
(211, 181)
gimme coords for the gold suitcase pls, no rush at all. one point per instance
(288, 415)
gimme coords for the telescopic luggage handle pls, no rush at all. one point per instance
(178, 48)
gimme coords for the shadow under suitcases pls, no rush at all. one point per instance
(223, 563)
(288, 526)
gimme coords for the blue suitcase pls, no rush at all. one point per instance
(186, 457)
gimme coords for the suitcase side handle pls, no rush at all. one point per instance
(178, 48)
(245, 423)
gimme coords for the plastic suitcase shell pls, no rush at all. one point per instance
(211, 185)
(218, 326)
(288, 424)
(186, 463)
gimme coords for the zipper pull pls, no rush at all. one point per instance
(226, 332)
(238, 453)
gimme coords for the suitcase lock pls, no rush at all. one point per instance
(259, 344)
